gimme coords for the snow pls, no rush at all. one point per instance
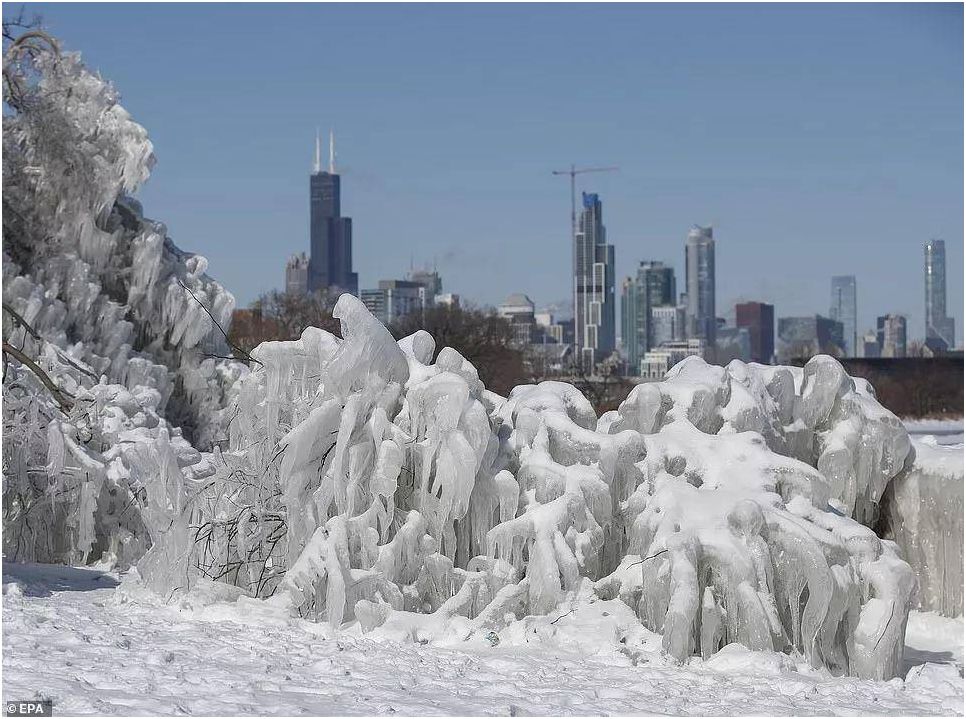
(945, 431)
(70, 637)
(359, 481)
(931, 637)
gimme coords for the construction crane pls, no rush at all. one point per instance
(573, 172)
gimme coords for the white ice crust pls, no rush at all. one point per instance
(363, 482)
(924, 515)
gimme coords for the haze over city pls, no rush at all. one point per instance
(817, 142)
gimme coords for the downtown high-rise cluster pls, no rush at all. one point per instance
(658, 326)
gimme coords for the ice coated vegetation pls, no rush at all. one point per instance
(924, 515)
(99, 301)
(362, 480)
(354, 479)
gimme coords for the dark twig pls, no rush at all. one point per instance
(21, 321)
(658, 554)
(245, 355)
(641, 561)
(564, 615)
(64, 399)
(892, 613)
(33, 333)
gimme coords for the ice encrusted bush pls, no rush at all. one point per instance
(362, 479)
(924, 515)
(106, 324)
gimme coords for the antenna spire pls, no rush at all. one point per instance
(317, 167)
(331, 152)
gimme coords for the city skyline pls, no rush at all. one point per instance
(799, 183)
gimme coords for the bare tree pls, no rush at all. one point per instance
(15, 24)
(281, 316)
(482, 337)
(606, 388)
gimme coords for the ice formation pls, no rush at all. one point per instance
(354, 479)
(100, 304)
(361, 480)
(924, 515)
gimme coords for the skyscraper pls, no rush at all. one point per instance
(667, 325)
(630, 324)
(518, 310)
(330, 265)
(843, 310)
(805, 337)
(297, 274)
(759, 319)
(594, 313)
(654, 286)
(429, 279)
(891, 334)
(394, 299)
(870, 345)
(699, 263)
(658, 280)
(937, 323)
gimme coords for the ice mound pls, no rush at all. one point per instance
(924, 515)
(363, 482)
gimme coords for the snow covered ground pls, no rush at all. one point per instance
(70, 636)
(946, 431)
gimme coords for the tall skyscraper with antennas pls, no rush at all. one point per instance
(330, 262)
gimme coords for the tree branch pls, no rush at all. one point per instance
(33, 333)
(63, 399)
(245, 355)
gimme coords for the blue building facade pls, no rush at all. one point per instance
(330, 263)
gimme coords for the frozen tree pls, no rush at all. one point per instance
(106, 324)
(285, 314)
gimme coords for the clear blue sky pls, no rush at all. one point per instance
(818, 140)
